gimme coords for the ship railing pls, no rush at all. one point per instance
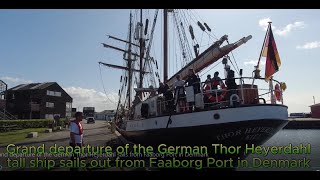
(261, 92)
(246, 93)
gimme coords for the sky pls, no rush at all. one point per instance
(64, 46)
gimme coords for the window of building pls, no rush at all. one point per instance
(49, 105)
(13, 97)
(54, 93)
(57, 94)
(69, 105)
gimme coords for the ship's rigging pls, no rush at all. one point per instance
(141, 66)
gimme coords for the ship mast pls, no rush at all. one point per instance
(129, 60)
(141, 55)
(165, 45)
(129, 64)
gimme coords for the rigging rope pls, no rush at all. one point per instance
(185, 39)
(210, 69)
(104, 87)
(205, 24)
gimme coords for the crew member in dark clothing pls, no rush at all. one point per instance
(193, 80)
(165, 90)
(162, 88)
(231, 84)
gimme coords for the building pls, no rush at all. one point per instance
(88, 112)
(3, 88)
(105, 115)
(73, 112)
(315, 110)
(38, 101)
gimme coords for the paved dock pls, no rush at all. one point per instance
(98, 134)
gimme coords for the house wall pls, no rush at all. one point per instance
(2, 104)
(59, 102)
(20, 105)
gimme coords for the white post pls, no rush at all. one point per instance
(241, 88)
(281, 94)
(272, 98)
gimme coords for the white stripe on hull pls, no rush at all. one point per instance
(227, 115)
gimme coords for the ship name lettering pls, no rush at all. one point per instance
(267, 130)
(229, 134)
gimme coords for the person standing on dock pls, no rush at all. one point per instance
(76, 136)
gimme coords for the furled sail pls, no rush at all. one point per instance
(208, 57)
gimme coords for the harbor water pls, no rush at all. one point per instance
(296, 137)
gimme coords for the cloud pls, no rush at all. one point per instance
(286, 30)
(310, 45)
(13, 81)
(91, 98)
(281, 31)
(264, 23)
(254, 62)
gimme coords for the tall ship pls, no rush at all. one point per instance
(163, 101)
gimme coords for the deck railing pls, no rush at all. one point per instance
(247, 93)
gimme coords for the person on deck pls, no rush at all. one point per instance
(165, 90)
(207, 81)
(231, 84)
(193, 80)
(216, 80)
(179, 94)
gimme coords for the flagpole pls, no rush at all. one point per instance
(265, 37)
(257, 71)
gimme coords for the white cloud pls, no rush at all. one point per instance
(264, 23)
(91, 98)
(13, 81)
(310, 45)
(254, 62)
(286, 30)
(281, 31)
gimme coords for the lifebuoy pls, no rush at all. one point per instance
(211, 95)
(277, 92)
(237, 99)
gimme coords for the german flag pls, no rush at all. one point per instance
(272, 56)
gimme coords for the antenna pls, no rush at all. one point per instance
(314, 101)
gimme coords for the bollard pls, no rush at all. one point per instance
(113, 127)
